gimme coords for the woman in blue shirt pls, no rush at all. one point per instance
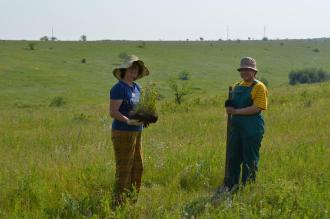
(126, 133)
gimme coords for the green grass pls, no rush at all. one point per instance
(57, 162)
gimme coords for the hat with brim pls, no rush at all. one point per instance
(248, 63)
(128, 62)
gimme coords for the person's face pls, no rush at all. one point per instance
(247, 74)
(132, 72)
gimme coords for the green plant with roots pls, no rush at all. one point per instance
(146, 110)
(148, 99)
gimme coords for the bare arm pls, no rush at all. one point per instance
(114, 111)
(250, 110)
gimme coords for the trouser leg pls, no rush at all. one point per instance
(251, 147)
(137, 168)
(235, 158)
(124, 150)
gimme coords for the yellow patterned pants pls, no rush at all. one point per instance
(129, 165)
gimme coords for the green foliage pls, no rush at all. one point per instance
(59, 163)
(81, 117)
(148, 100)
(44, 38)
(178, 90)
(31, 46)
(308, 76)
(83, 38)
(195, 176)
(66, 169)
(57, 101)
(316, 50)
(142, 45)
(184, 75)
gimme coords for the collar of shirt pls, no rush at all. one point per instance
(127, 85)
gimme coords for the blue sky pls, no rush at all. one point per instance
(164, 20)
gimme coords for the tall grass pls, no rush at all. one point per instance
(54, 165)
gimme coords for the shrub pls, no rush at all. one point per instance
(307, 76)
(142, 45)
(184, 75)
(83, 60)
(179, 91)
(44, 38)
(57, 102)
(83, 38)
(31, 46)
(316, 50)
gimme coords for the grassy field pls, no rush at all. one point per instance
(57, 162)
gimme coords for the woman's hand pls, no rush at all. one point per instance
(134, 122)
(231, 110)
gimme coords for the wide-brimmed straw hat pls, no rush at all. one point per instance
(128, 62)
(248, 63)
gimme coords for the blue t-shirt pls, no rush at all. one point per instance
(130, 96)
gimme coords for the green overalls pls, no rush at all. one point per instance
(246, 133)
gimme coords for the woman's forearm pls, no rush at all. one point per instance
(247, 110)
(118, 116)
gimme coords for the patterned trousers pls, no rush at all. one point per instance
(129, 165)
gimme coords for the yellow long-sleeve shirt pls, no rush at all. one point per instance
(259, 94)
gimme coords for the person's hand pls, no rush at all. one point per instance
(134, 122)
(229, 103)
(231, 110)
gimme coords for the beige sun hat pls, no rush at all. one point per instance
(128, 62)
(248, 63)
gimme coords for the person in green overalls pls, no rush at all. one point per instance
(249, 99)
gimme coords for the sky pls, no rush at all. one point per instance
(164, 20)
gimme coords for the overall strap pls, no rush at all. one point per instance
(254, 83)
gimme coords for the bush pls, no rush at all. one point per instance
(316, 50)
(31, 46)
(83, 60)
(44, 38)
(179, 91)
(142, 45)
(184, 75)
(57, 102)
(308, 76)
(83, 38)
